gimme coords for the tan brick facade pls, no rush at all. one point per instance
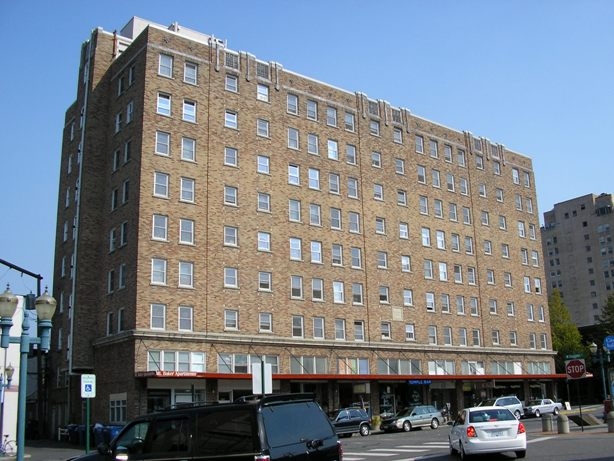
(386, 162)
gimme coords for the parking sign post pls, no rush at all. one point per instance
(88, 391)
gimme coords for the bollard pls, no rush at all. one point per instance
(562, 424)
(546, 423)
(611, 421)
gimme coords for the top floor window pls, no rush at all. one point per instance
(165, 65)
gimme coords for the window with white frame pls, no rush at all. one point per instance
(231, 319)
(231, 83)
(296, 287)
(157, 316)
(231, 119)
(231, 195)
(159, 227)
(350, 154)
(427, 269)
(385, 329)
(231, 236)
(339, 329)
(164, 104)
(297, 326)
(332, 149)
(264, 202)
(462, 336)
(185, 320)
(355, 258)
(352, 187)
(378, 191)
(189, 111)
(294, 175)
(384, 295)
(338, 292)
(262, 92)
(187, 186)
(318, 327)
(317, 289)
(294, 210)
(231, 277)
(188, 149)
(296, 252)
(190, 73)
(293, 141)
(359, 330)
(337, 254)
(265, 281)
(313, 144)
(312, 109)
(335, 218)
(331, 116)
(158, 271)
(292, 104)
(186, 274)
(357, 293)
(349, 121)
(408, 297)
(264, 241)
(165, 65)
(432, 334)
(265, 322)
(262, 128)
(186, 231)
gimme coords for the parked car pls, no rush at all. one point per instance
(540, 407)
(511, 402)
(348, 421)
(487, 429)
(412, 417)
(280, 427)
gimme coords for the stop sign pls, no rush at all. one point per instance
(575, 368)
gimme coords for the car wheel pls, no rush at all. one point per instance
(537, 413)
(406, 426)
(463, 456)
(521, 454)
(555, 411)
(517, 414)
(364, 430)
(434, 423)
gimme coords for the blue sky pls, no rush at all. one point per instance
(534, 75)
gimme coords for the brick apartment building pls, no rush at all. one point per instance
(218, 211)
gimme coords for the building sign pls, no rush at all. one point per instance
(419, 381)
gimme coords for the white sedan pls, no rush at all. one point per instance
(540, 407)
(479, 430)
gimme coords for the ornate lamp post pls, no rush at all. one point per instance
(45, 307)
(601, 356)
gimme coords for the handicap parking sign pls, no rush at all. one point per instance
(88, 386)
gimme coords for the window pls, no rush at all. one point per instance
(436, 178)
(475, 335)
(292, 104)
(312, 110)
(410, 332)
(159, 227)
(408, 297)
(335, 218)
(231, 236)
(385, 329)
(380, 225)
(419, 144)
(231, 319)
(432, 334)
(382, 260)
(447, 336)
(356, 258)
(293, 142)
(262, 92)
(190, 73)
(231, 156)
(357, 293)
(338, 292)
(317, 289)
(352, 187)
(231, 120)
(333, 149)
(158, 271)
(462, 336)
(294, 175)
(262, 128)
(433, 151)
(350, 154)
(430, 301)
(165, 65)
(403, 230)
(263, 164)
(232, 83)
(333, 183)
(231, 277)
(157, 319)
(265, 322)
(313, 144)
(164, 104)
(265, 280)
(186, 231)
(231, 195)
(297, 326)
(186, 274)
(354, 222)
(349, 121)
(384, 295)
(294, 210)
(374, 127)
(296, 287)
(331, 116)
(264, 202)
(460, 305)
(189, 111)
(359, 330)
(318, 327)
(401, 197)
(188, 149)
(296, 252)
(376, 159)
(187, 190)
(339, 329)
(378, 192)
(185, 318)
(314, 178)
(421, 171)
(315, 214)
(397, 135)
(264, 241)
(427, 269)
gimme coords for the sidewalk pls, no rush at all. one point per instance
(50, 450)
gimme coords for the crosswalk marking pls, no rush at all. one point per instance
(400, 450)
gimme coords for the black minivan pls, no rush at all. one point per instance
(274, 428)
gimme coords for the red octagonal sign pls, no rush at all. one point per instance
(575, 368)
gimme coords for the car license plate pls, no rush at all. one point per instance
(497, 433)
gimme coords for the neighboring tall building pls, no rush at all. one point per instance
(579, 253)
(218, 211)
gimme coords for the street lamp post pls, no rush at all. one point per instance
(8, 377)
(45, 307)
(601, 355)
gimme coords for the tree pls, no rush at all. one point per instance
(606, 319)
(566, 338)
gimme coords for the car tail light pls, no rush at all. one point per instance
(262, 458)
(471, 432)
(340, 450)
(521, 429)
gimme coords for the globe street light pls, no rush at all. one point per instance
(45, 307)
(601, 356)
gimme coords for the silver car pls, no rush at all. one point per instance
(487, 429)
(411, 417)
(540, 407)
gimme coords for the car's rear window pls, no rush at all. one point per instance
(221, 431)
(482, 416)
(290, 423)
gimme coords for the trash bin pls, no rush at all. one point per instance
(110, 432)
(73, 434)
(98, 434)
(546, 423)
